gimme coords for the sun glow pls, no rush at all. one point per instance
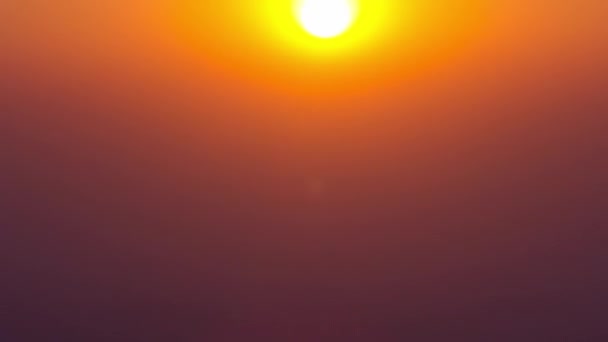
(326, 46)
(326, 18)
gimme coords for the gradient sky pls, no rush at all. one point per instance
(162, 181)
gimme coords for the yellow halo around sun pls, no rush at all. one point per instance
(326, 18)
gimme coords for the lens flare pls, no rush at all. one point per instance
(326, 18)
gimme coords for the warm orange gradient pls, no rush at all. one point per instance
(203, 170)
(264, 42)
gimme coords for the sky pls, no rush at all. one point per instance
(171, 171)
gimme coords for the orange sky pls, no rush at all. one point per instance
(181, 168)
(170, 38)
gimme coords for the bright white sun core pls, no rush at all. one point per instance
(326, 18)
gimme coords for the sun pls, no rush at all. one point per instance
(326, 18)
